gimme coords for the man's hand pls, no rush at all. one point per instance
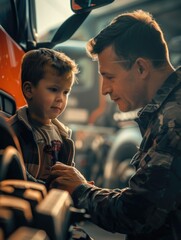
(65, 177)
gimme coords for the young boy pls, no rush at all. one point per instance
(47, 79)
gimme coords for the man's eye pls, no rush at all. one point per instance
(109, 77)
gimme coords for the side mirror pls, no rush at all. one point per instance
(79, 6)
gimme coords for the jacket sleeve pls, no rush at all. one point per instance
(154, 191)
(32, 179)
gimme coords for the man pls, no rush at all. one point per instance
(136, 72)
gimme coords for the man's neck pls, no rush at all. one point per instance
(158, 77)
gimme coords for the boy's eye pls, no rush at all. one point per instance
(53, 89)
(67, 92)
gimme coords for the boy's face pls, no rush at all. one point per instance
(49, 98)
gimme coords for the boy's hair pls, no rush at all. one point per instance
(132, 35)
(34, 64)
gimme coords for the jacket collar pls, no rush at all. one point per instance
(22, 114)
(161, 95)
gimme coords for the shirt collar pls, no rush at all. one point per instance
(144, 115)
(168, 86)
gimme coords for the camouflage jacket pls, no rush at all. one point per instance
(150, 208)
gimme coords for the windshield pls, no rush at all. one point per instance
(50, 15)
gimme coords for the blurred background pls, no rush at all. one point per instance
(105, 138)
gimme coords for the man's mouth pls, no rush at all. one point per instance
(115, 99)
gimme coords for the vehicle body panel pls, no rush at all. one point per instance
(10, 63)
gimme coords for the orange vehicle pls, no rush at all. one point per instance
(10, 60)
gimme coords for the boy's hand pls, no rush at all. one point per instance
(65, 177)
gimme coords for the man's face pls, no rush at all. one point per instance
(124, 86)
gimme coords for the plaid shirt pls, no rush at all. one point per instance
(29, 146)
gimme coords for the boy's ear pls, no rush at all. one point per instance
(27, 90)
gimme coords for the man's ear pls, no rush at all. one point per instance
(27, 90)
(142, 66)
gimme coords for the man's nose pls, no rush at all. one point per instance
(106, 89)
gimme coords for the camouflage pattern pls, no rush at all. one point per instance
(150, 208)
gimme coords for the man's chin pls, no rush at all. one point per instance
(123, 109)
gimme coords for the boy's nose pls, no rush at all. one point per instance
(59, 97)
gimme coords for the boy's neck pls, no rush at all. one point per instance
(37, 121)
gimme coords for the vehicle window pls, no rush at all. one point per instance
(173, 33)
(55, 12)
(7, 103)
(85, 78)
(6, 13)
(87, 68)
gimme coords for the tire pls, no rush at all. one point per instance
(118, 170)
